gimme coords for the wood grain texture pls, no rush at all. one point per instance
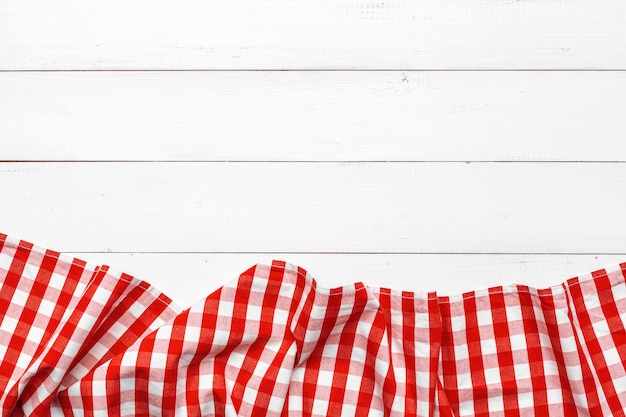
(318, 207)
(309, 116)
(187, 278)
(321, 185)
(312, 34)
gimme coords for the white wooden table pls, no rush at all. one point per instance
(421, 145)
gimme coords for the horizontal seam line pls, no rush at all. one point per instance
(408, 161)
(325, 70)
(347, 253)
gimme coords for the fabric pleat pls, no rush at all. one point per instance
(83, 340)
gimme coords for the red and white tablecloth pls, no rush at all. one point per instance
(78, 339)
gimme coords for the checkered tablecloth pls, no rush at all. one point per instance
(80, 340)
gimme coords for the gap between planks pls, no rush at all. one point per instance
(304, 161)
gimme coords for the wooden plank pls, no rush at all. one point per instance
(318, 207)
(187, 278)
(312, 34)
(340, 116)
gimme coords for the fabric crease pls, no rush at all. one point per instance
(81, 339)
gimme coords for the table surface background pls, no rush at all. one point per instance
(420, 145)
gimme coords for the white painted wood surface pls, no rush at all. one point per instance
(385, 177)
(310, 116)
(312, 34)
(319, 207)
